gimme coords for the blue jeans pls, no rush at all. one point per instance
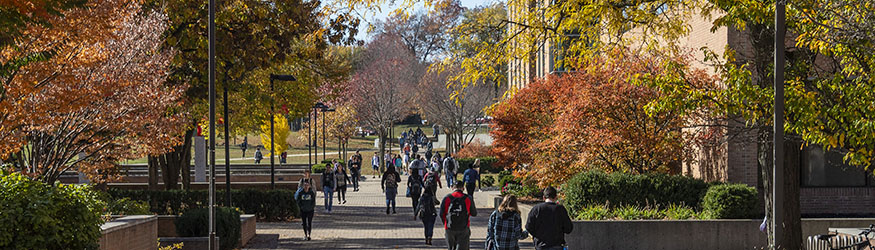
(390, 197)
(328, 192)
(428, 223)
(451, 179)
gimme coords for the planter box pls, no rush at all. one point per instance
(167, 228)
(137, 232)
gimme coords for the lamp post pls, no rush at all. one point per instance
(211, 244)
(324, 110)
(316, 108)
(779, 241)
(273, 77)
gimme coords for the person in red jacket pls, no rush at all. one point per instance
(456, 209)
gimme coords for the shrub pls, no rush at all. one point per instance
(473, 150)
(126, 206)
(487, 164)
(630, 212)
(678, 212)
(39, 216)
(505, 177)
(660, 190)
(194, 223)
(598, 212)
(266, 205)
(487, 181)
(328, 161)
(730, 201)
(318, 168)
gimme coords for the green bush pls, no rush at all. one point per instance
(678, 212)
(126, 206)
(266, 205)
(39, 216)
(194, 223)
(730, 201)
(637, 213)
(505, 177)
(328, 161)
(598, 212)
(629, 212)
(487, 181)
(619, 189)
(487, 164)
(318, 168)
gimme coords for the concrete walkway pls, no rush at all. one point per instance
(362, 223)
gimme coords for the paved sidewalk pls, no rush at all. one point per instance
(362, 223)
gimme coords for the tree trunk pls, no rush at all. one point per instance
(153, 172)
(382, 149)
(175, 163)
(792, 236)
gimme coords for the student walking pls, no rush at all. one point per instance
(548, 223)
(258, 156)
(375, 162)
(389, 184)
(414, 188)
(356, 170)
(307, 179)
(456, 210)
(472, 178)
(329, 183)
(505, 226)
(427, 213)
(306, 199)
(450, 167)
(342, 181)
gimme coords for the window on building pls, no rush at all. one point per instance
(822, 168)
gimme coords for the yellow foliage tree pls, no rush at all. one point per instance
(280, 133)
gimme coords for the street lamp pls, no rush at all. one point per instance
(324, 110)
(315, 146)
(273, 77)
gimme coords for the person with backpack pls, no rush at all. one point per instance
(306, 199)
(548, 222)
(450, 167)
(472, 178)
(414, 187)
(342, 181)
(456, 210)
(356, 170)
(427, 213)
(505, 226)
(431, 182)
(329, 183)
(258, 156)
(307, 179)
(389, 184)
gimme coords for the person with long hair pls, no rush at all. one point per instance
(426, 211)
(505, 227)
(342, 181)
(306, 200)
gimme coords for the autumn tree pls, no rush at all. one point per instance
(16, 16)
(594, 119)
(380, 90)
(280, 134)
(100, 98)
(256, 38)
(424, 33)
(455, 109)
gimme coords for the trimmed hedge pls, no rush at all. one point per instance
(34, 215)
(730, 201)
(318, 168)
(487, 164)
(267, 205)
(195, 223)
(620, 189)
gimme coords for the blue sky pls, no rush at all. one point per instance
(387, 8)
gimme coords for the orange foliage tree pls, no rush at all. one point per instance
(98, 98)
(595, 118)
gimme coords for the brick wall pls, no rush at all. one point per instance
(838, 200)
(130, 233)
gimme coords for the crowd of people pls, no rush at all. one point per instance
(547, 222)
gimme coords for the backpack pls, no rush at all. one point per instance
(415, 185)
(430, 182)
(457, 214)
(391, 182)
(426, 207)
(451, 165)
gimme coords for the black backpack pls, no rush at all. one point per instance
(415, 185)
(391, 182)
(426, 207)
(457, 214)
(451, 165)
(431, 183)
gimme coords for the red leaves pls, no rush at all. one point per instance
(594, 118)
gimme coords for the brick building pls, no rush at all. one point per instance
(828, 186)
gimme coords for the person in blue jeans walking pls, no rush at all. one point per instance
(450, 166)
(328, 186)
(389, 183)
(472, 178)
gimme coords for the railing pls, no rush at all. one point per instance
(835, 241)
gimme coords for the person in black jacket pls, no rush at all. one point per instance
(389, 183)
(549, 222)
